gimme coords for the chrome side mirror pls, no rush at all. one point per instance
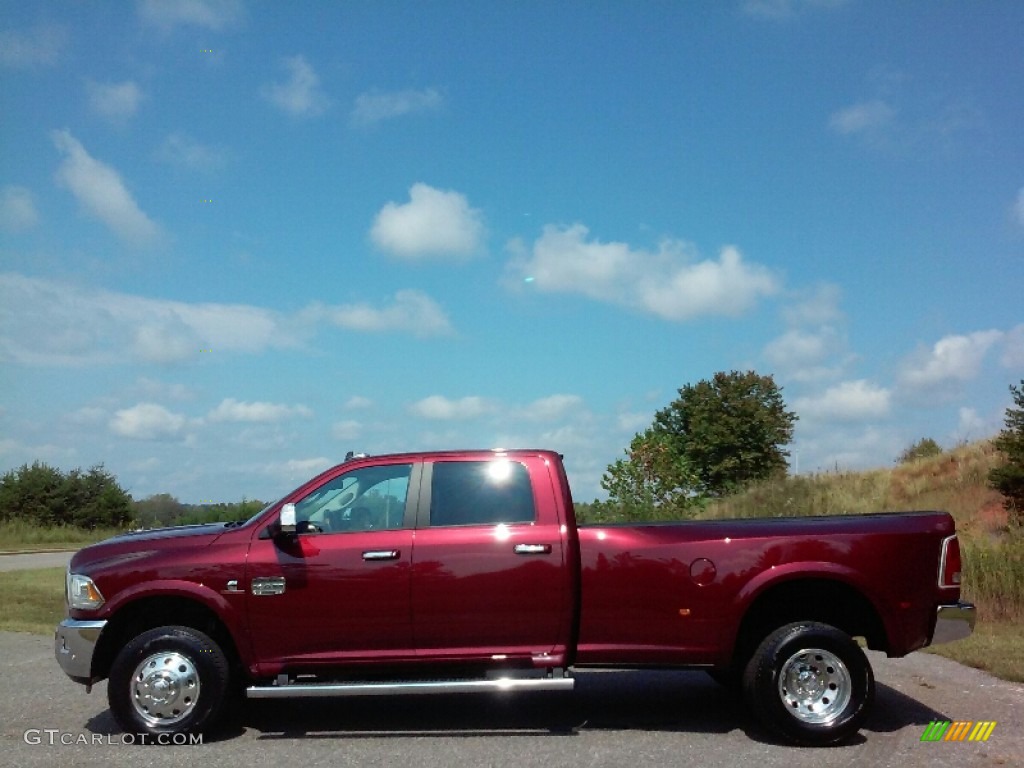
(288, 518)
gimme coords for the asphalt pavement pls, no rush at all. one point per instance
(612, 719)
(19, 562)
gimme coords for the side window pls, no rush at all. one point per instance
(366, 499)
(480, 493)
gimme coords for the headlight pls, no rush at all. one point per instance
(82, 592)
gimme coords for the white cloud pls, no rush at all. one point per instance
(798, 349)
(300, 95)
(184, 152)
(48, 322)
(167, 341)
(357, 402)
(233, 410)
(817, 307)
(39, 46)
(374, 106)
(953, 359)
(100, 191)
(346, 430)
(209, 14)
(858, 400)
(296, 470)
(861, 118)
(444, 409)
(147, 421)
(434, 222)
(814, 347)
(17, 209)
(410, 311)
(1013, 348)
(1017, 210)
(808, 355)
(114, 101)
(972, 426)
(844, 449)
(552, 407)
(633, 422)
(667, 283)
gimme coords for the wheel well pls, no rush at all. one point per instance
(146, 613)
(824, 600)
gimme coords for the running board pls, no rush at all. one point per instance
(404, 689)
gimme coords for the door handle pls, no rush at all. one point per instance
(381, 554)
(532, 549)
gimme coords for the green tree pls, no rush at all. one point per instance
(653, 481)
(922, 449)
(1008, 478)
(731, 431)
(716, 438)
(33, 494)
(42, 495)
(158, 510)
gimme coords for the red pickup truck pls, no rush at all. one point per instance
(462, 572)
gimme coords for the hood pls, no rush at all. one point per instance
(138, 544)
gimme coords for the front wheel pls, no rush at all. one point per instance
(168, 680)
(810, 683)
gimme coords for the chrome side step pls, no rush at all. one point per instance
(409, 688)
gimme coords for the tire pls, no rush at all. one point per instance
(168, 680)
(809, 683)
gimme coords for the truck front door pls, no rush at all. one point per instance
(338, 589)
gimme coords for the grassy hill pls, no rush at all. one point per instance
(955, 481)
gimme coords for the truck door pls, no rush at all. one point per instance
(489, 571)
(337, 590)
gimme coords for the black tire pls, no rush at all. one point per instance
(167, 681)
(809, 683)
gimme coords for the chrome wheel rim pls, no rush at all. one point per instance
(165, 688)
(815, 686)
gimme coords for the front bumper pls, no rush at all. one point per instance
(73, 644)
(954, 622)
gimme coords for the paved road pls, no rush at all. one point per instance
(34, 560)
(613, 719)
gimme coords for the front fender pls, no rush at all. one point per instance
(228, 608)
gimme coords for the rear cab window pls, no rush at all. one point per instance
(480, 493)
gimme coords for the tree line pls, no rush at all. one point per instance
(716, 438)
(41, 495)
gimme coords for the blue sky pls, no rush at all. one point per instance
(238, 239)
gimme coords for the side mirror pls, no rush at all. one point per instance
(288, 518)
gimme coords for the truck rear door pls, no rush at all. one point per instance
(490, 575)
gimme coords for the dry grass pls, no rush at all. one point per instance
(954, 481)
(16, 535)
